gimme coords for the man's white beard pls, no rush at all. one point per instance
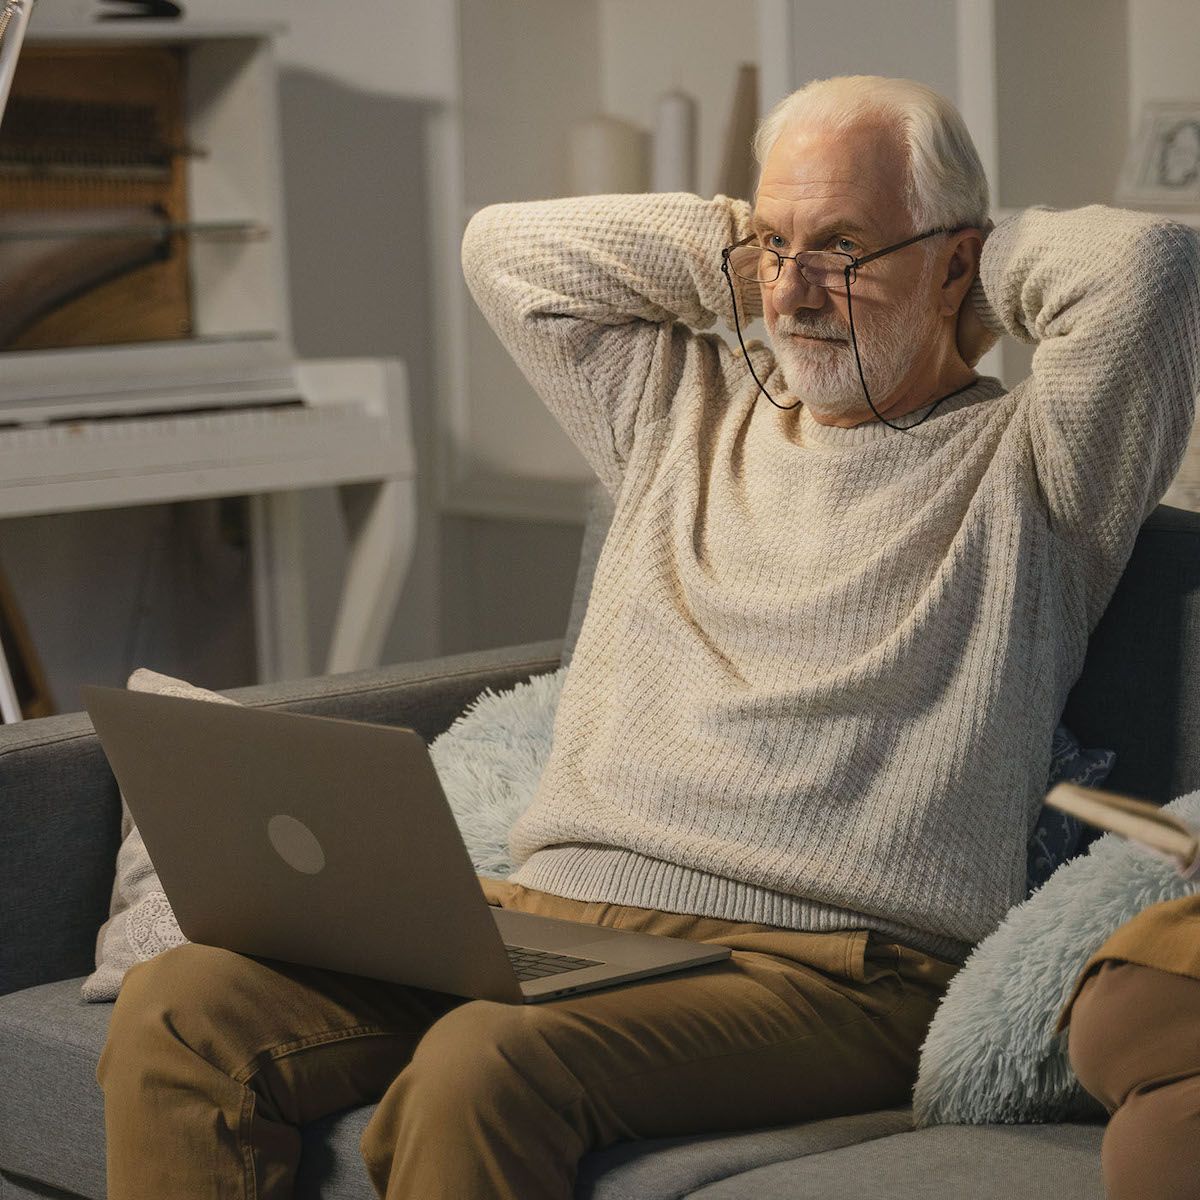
(825, 377)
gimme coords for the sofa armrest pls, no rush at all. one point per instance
(426, 696)
(60, 809)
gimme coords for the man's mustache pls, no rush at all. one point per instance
(787, 326)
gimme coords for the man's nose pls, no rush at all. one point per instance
(792, 291)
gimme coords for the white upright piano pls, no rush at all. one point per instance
(223, 408)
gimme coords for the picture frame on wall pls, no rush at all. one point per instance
(1162, 166)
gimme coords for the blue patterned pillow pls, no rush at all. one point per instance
(1057, 835)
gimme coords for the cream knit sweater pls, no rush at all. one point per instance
(820, 667)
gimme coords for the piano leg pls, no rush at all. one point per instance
(280, 595)
(381, 528)
(381, 524)
(10, 705)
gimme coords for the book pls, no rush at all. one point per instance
(1160, 833)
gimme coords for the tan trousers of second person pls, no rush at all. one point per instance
(1135, 1045)
(215, 1059)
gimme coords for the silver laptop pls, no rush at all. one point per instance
(330, 843)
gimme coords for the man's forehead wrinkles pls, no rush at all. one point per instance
(828, 218)
(858, 197)
(800, 183)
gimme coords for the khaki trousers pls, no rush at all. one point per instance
(1135, 1045)
(215, 1059)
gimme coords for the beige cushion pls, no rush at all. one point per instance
(140, 922)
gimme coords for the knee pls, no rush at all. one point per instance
(170, 996)
(482, 1053)
(469, 1045)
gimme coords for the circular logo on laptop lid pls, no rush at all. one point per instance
(296, 844)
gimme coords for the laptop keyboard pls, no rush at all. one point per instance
(537, 964)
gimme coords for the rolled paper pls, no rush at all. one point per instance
(674, 164)
(607, 154)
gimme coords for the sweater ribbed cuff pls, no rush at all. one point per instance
(983, 309)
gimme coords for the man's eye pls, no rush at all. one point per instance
(772, 238)
(846, 245)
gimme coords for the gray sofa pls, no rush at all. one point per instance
(59, 827)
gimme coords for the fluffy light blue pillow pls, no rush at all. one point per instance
(991, 1053)
(490, 760)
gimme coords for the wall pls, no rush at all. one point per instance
(528, 70)
(165, 587)
(648, 47)
(1157, 31)
(1050, 99)
(357, 224)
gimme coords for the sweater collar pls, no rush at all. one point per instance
(809, 431)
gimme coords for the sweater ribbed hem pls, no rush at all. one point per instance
(613, 875)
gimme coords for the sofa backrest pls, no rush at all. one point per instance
(1139, 693)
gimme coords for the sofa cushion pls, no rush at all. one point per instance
(489, 763)
(667, 1168)
(52, 1121)
(51, 1107)
(14, 1187)
(950, 1162)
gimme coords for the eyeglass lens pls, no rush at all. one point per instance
(759, 265)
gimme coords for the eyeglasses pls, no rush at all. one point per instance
(822, 268)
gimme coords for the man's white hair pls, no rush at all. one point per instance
(946, 184)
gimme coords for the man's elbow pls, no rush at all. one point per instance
(481, 241)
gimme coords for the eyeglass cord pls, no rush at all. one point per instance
(857, 360)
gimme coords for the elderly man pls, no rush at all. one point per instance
(810, 710)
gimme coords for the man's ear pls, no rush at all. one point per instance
(962, 266)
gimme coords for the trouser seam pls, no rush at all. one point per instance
(325, 1038)
(274, 1054)
(249, 1177)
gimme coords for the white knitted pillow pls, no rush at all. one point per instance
(489, 762)
(991, 1053)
